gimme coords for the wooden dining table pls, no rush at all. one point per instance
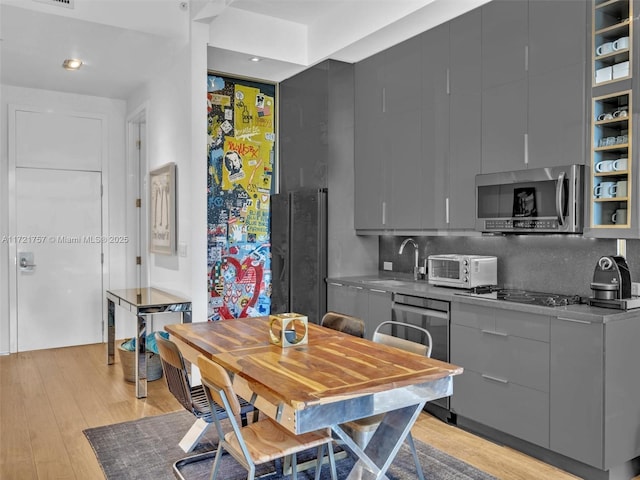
(332, 379)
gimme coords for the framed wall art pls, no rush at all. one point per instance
(162, 214)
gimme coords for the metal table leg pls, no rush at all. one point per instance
(111, 331)
(383, 447)
(141, 357)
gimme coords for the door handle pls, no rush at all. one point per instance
(26, 261)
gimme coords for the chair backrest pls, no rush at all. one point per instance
(175, 372)
(407, 345)
(217, 380)
(343, 323)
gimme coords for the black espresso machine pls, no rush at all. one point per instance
(611, 285)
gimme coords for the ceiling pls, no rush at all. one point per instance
(124, 43)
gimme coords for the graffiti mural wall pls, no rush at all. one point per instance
(241, 162)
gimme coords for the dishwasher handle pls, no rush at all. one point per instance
(421, 311)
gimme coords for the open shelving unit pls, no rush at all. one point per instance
(611, 53)
(611, 160)
(611, 117)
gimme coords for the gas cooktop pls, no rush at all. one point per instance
(525, 296)
(537, 298)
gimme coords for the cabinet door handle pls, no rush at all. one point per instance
(384, 213)
(526, 148)
(448, 82)
(384, 99)
(495, 379)
(526, 58)
(573, 320)
(376, 290)
(336, 284)
(446, 210)
(355, 286)
(493, 332)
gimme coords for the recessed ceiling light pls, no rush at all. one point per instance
(72, 64)
(255, 59)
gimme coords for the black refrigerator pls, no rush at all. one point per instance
(299, 253)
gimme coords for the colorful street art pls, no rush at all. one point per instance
(241, 145)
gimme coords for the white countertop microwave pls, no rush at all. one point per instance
(537, 200)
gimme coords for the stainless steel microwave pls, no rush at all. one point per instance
(537, 200)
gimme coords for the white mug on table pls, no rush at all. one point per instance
(619, 216)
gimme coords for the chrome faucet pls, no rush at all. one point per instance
(416, 268)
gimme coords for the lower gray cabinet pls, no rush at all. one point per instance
(577, 401)
(371, 305)
(505, 356)
(570, 386)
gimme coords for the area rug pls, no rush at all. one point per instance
(146, 449)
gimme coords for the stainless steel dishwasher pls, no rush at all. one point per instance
(432, 315)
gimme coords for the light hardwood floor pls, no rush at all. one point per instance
(48, 397)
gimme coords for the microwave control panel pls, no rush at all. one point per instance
(528, 224)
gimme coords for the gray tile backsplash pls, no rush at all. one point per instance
(546, 263)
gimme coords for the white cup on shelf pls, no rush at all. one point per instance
(604, 190)
(620, 44)
(605, 166)
(619, 217)
(620, 164)
(620, 189)
(606, 48)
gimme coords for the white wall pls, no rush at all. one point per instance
(175, 103)
(113, 180)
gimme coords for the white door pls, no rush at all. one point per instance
(59, 230)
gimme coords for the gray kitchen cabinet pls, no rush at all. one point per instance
(504, 127)
(380, 306)
(387, 138)
(557, 121)
(504, 42)
(372, 149)
(533, 105)
(558, 32)
(347, 299)
(557, 70)
(435, 126)
(505, 384)
(594, 389)
(577, 403)
(373, 306)
(465, 118)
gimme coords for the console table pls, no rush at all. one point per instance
(141, 302)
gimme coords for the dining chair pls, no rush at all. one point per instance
(258, 442)
(192, 397)
(363, 429)
(343, 323)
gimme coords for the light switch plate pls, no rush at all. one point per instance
(182, 249)
(387, 265)
(635, 289)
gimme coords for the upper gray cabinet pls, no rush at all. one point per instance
(504, 41)
(499, 88)
(387, 138)
(465, 118)
(534, 80)
(435, 113)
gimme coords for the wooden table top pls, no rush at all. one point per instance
(147, 297)
(332, 367)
